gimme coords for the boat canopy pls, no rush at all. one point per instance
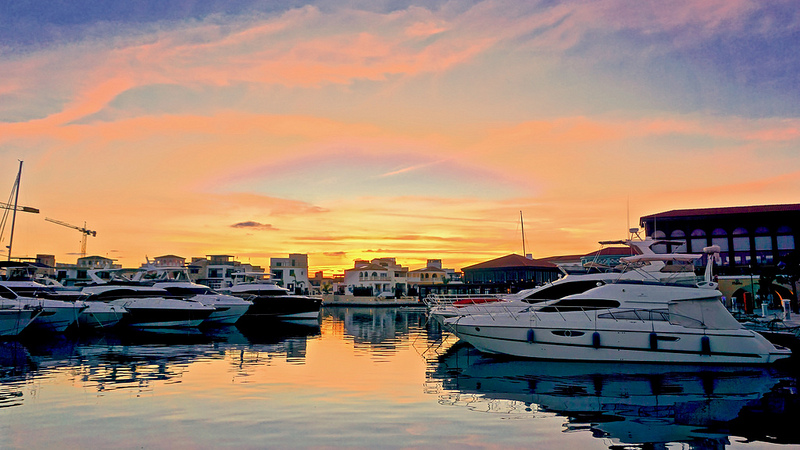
(683, 257)
(708, 313)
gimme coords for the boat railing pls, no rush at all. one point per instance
(459, 300)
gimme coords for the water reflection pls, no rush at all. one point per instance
(639, 405)
(380, 331)
(136, 360)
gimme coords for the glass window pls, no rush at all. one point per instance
(699, 241)
(678, 235)
(785, 240)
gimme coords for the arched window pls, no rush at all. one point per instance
(785, 240)
(678, 235)
(719, 237)
(659, 248)
(699, 241)
(741, 246)
(763, 243)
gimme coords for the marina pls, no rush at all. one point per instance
(364, 377)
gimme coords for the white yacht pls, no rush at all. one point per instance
(14, 315)
(626, 321)
(675, 268)
(271, 301)
(175, 280)
(59, 309)
(146, 306)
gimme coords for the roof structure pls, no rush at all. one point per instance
(370, 266)
(611, 251)
(724, 210)
(512, 260)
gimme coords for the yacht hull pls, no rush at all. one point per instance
(642, 342)
(163, 313)
(283, 307)
(227, 308)
(14, 320)
(101, 315)
(56, 315)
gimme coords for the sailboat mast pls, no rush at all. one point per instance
(522, 225)
(14, 212)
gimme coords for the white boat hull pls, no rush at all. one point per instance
(14, 320)
(56, 315)
(227, 308)
(101, 315)
(159, 312)
(639, 342)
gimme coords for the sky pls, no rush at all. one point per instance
(410, 129)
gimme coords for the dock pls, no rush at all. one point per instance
(351, 300)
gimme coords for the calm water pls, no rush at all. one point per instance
(367, 378)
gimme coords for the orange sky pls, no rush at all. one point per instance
(419, 132)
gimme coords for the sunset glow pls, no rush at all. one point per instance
(414, 130)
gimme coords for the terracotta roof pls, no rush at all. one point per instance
(563, 259)
(369, 266)
(512, 260)
(724, 210)
(427, 269)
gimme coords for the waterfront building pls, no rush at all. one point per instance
(748, 236)
(169, 261)
(513, 271)
(755, 241)
(291, 273)
(215, 271)
(70, 274)
(320, 284)
(433, 273)
(378, 277)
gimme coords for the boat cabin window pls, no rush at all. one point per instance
(580, 304)
(562, 290)
(637, 314)
(185, 290)
(7, 293)
(116, 294)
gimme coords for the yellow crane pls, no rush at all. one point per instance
(84, 231)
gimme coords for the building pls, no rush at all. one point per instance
(215, 271)
(748, 236)
(513, 271)
(320, 284)
(379, 277)
(756, 244)
(169, 261)
(69, 274)
(291, 272)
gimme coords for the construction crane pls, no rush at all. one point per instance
(26, 209)
(82, 229)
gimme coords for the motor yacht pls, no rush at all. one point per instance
(271, 301)
(147, 306)
(175, 280)
(15, 316)
(677, 268)
(625, 321)
(59, 309)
